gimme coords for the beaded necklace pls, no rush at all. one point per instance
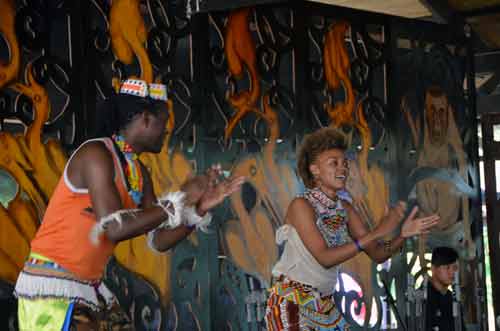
(331, 217)
(131, 168)
(323, 199)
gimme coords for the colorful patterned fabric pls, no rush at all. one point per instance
(65, 315)
(158, 92)
(142, 89)
(42, 278)
(293, 306)
(331, 217)
(303, 295)
(132, 169)
(52, 299)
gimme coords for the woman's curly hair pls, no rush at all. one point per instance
(313, 145)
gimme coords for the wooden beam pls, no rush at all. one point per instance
(442, 11)
(489, 86)
(203, 6)
(487, 62)
(402, 8)
(485, 11)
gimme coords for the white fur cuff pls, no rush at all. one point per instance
(175, 200)
(100, 227)
(191, 218)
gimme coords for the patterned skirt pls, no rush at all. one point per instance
(293, 306)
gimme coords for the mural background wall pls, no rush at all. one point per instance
(246, 85)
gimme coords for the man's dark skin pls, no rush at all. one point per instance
(92, 168)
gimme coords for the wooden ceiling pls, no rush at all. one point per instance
(482, 15)
(468, 5)
(404, 8)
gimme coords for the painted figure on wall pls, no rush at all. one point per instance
(441, 150)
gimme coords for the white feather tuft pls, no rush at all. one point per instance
(191, 218)
(100, 227)
(175, 199)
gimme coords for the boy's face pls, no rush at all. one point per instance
(445, 274)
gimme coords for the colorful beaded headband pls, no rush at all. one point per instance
(142, 89)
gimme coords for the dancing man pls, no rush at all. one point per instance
(105, 196)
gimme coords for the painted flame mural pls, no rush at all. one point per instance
(250, 239)
(33, 162)
(36, 165)
(370, 193)
(252, 53)
(9, 71)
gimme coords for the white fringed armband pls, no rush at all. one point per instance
(100, 227)
(191, 218)
(173, 200)
(168, 201)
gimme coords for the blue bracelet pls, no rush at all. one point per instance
(358, 245)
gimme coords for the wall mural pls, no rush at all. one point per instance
(252, 88)
(36, 120)
(434, 112)
(32, 155)
(249, 49)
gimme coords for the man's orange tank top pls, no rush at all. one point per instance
(64, 235)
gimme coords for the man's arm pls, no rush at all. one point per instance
(205, 192)
(162, 239)
(93, 167)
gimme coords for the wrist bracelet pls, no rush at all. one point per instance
(358, 245)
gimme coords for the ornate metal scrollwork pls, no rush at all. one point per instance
(136, 296)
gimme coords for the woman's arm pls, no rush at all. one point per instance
(380, 251)
(302, 217)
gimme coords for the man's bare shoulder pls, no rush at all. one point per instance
(94, 153)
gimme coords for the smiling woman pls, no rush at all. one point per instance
(322, 231)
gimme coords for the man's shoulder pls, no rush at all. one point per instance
(92, 152)
(432, 291)
(93, 146)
